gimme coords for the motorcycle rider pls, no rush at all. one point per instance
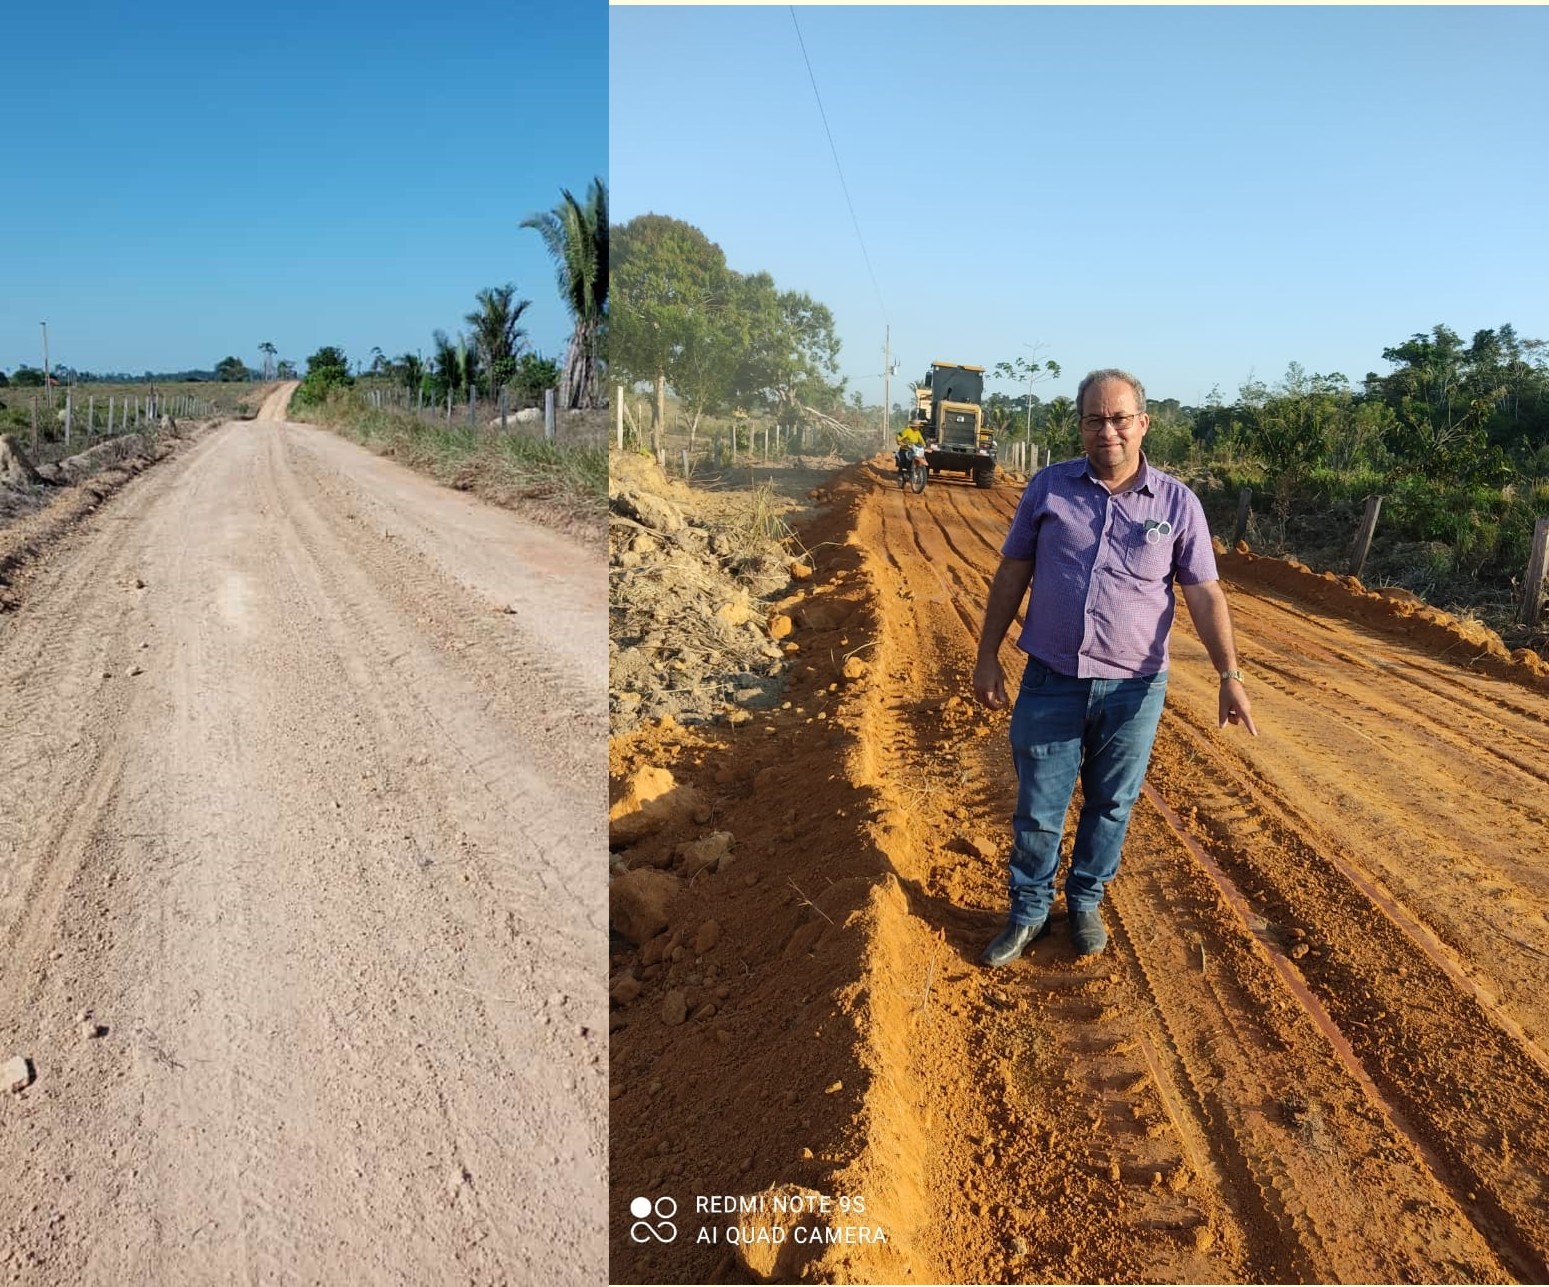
(907, 438)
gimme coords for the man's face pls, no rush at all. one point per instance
(1112, 427)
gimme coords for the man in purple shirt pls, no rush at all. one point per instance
(1103, 540)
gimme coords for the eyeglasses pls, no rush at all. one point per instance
(1093, 423)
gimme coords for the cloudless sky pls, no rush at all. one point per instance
(184, 181)
(1201, 195)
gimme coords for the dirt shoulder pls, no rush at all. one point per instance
(1315, 1048)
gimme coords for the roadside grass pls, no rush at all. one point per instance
(563, 483)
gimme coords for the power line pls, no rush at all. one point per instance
(842, 184)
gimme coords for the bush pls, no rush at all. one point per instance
(327, 369)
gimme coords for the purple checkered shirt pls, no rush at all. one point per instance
(1102, 596)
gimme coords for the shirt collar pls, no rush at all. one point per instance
(1141, 482)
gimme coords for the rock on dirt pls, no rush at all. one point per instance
(16, 1073)
(706, 853)
(638, 902)
(674, 1008)
(645, 802)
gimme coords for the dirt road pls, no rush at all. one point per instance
(299, 763)
(1317, 1048)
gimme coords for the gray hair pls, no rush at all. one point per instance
(1110, 373)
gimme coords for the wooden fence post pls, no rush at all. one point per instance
(34, 426)
(548, 414)
(1537, 563)
(685, 461)
(618, 402)
(502, 408)
(1244, 510)
(1363, 539)
(69, 415)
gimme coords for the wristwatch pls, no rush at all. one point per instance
(1232, 674)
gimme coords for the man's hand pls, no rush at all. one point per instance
(1006, 590)
(990, 683)
(1235, 708)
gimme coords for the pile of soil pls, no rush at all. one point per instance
(702, 591)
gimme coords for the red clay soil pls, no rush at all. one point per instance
(1315, 1049)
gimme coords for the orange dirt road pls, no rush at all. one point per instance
(300, 915)
(1316, 1049)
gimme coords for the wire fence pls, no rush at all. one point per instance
(506, 412)
(80, 418)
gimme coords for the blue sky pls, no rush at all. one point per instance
(1202, 195)
(186, 181)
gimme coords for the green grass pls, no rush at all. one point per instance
(567, 481)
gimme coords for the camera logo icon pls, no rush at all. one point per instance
(662, 1211)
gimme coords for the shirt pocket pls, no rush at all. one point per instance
(1147, 560)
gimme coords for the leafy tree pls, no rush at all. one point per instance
(1443, 402)
(496, 334)
(4, 380)
(327, 369)
(1291, 426)
(230, 368)
(533, 374)
(286, 370)
(576, 237)
(667, 281)
(790, 351)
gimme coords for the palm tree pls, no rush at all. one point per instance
(446, 364)
(268, 350)
(496, 334)
(576, 237)
(410, 369)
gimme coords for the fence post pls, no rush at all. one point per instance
(1538, 560)
(618, 402)
(502, 408)
(1363, 540)
(69, 414)
(685, 461)
(548, 414)
(470, 405)
(1244, 509)
(34, 426)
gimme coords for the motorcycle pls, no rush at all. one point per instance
(912, 470)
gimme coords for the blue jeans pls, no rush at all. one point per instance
(1100, 730)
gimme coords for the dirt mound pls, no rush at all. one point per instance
(1394, 611)
(700, 588)
(15, 469)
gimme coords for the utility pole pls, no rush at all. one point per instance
(887, 371)
(48, 388)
